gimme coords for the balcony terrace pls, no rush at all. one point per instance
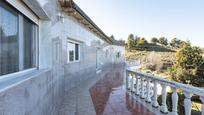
(121, 91)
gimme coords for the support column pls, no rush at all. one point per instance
(164, 94)
(174, 101)
(142, 88)
(133, 83)
(127, 80)
(187, 103)
(202, 110)
(137, 92)
(155, 102)
(148, 98)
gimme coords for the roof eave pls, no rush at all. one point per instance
(72, 8)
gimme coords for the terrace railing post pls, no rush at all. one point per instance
(164, 94)
(148, 98)
(142, 95)
(187, 103)
(133, 83)
(140, 83)
(174, 101)
(202, 109)
(155, 102)
(127, 80)
(137, 92)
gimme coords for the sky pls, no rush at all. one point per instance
(183, 19)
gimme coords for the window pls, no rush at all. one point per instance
(73, 51)
(17, 41)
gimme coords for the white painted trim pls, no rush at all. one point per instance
(16, 74)
(21, 7)
(74, 42)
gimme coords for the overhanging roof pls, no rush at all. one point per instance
(73, 9)
(36, 8)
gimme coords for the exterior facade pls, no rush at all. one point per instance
(48, 47)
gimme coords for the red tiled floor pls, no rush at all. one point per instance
(110, 98)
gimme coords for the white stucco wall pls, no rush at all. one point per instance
(54, 77)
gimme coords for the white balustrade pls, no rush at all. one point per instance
(174, 101)
(133, 84)
(137, 92)
(187, 103)
(142, 90)
(164, 94)
(140, 83)
(148, 98)
(127, 80)
(202, 109)
(155, 102)
(129, 77)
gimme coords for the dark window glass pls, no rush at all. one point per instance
(71, 48)
(71, 56)
(9, 58)
(29, 38)
(76, 51)
(13, 57)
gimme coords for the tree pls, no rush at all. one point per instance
(163, 41)
(176, 43)
(189, 66)
(136, 40)
(112, 36)
(154, 40)
(130, 43)
(142, 41)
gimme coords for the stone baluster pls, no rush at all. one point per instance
(164, 94)
(142, 95)
(127, 80)
(137, 89)
(174, 101)
(148, 98)
(155, 102)
(133, 83)
(187, 103)
(202, 109)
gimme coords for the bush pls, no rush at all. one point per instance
(189, 67)
(154, 62)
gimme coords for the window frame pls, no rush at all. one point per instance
(79, 51)
(35, 45)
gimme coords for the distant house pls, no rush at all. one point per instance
(46, 48)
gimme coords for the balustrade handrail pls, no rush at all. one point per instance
(185, 87)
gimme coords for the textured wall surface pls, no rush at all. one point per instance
(38, 93)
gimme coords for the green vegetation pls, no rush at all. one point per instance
(163, 41)
(177, 60)
(189, 66)
(154, 40)
(130, 43)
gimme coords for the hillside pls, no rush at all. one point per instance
(154, 58)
